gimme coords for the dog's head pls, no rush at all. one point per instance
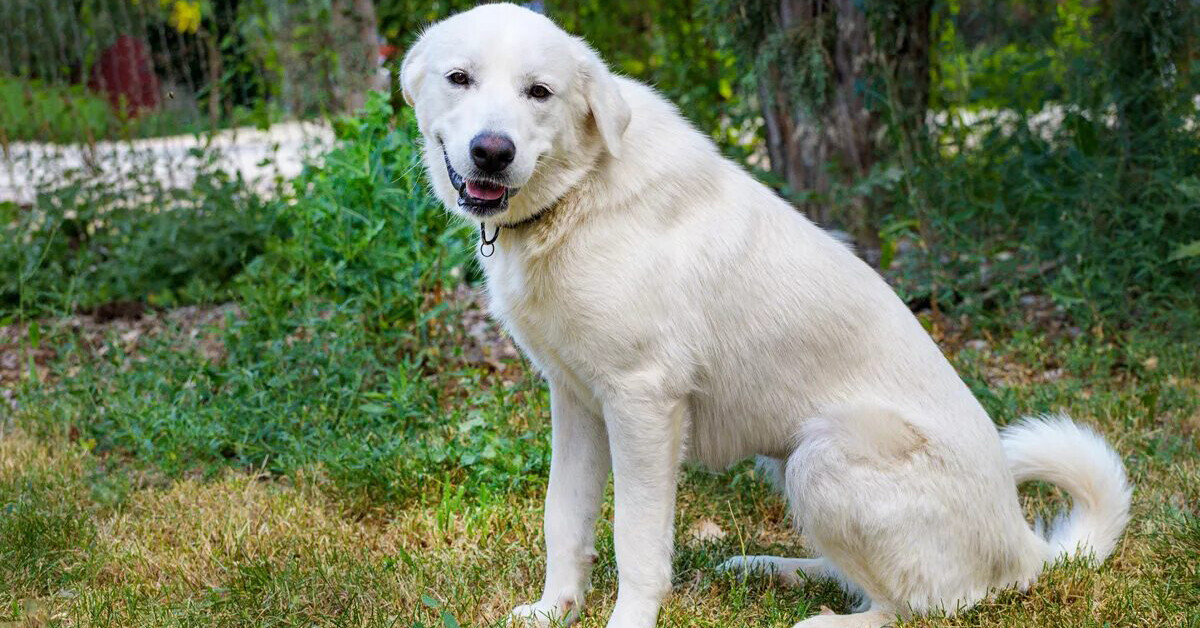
(513, 110)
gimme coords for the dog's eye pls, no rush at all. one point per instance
(458, 77)
(539, 91)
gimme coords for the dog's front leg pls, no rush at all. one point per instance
(579, 465)
(646, 439)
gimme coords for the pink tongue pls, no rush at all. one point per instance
(485, 191)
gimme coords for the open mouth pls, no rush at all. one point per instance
(480, 197)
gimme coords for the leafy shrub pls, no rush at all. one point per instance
(362, 231)
(30, 110)
(35, 110)
(1064, 164)
(87, 241)
(1006, 208)
(1026, 61)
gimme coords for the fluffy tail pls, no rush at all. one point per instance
(1054, 449)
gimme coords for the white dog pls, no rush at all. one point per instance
(678, 308)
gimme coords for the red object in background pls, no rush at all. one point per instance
(125, 74)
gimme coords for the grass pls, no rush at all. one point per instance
(100, 535)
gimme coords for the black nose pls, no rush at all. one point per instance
(492, 152)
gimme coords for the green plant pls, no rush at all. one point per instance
(47, 540)
(32, 110)
(1029, 182)
(88, 240)
(361, 230)
(1002, 211)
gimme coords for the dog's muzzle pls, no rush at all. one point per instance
(480, 197)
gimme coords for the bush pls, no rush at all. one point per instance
(88, 242)
(1064, 166)
(362, 232)
(1003, 211)
(30, 110)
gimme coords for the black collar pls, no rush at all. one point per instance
(487, 246)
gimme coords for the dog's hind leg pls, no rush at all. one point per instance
(899, 514)
(792, 571)
(874, 618)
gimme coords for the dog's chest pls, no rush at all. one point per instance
(540, 311)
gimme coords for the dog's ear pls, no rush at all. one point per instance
(412, 70)
(608, 107)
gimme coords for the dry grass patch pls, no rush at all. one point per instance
(194, 533)
(21, 455)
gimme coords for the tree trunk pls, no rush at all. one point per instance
(362, 66)
(850, 126)
(837, 142)
(795, 140)
(1145, 41)
(216, 70)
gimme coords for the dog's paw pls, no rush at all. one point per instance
(791, 571)
(544, 615)
(828, 619)
(740, 566)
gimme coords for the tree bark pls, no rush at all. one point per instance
(851, 126)
(216, 70)
(361, 69)
(815, 149)
(795, 142)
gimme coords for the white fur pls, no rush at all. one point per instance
(1054, 449)
(679, 309)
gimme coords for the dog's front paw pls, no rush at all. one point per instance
(632, 612)
(545, 614)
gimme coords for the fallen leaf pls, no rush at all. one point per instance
(707, 530)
